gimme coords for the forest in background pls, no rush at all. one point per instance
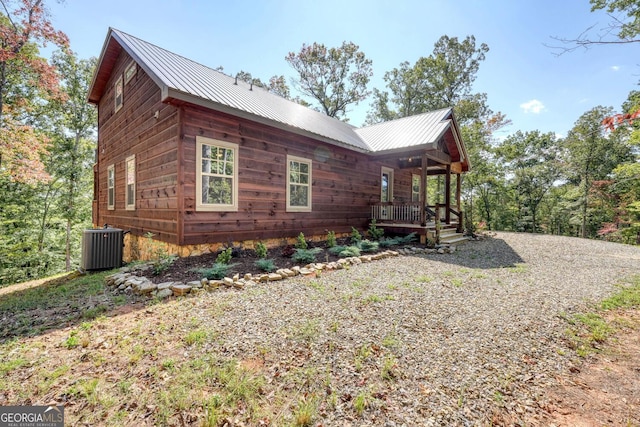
(586, 184)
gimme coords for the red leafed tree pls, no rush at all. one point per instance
(611, 122)
(24, 27)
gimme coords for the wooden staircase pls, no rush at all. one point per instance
(448, 235)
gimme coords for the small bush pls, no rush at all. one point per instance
(261, 250)
(409, 238)
(368, 246)
(301, 243)
(345, 251)
(225, 256)
(266, 265)
(335, 250)
(356, 237)
(288, 251)
(331, 239)
(217, 271)
(306, 256)
(374, 232)
(388, 241)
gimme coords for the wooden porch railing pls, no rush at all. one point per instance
(409, 213)
(401, 213)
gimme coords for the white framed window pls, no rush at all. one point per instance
(119, 89)
(298, 184)
(216, 175)
(111, 187)
(386, 187)
(415, 188)
(130, 170)
(130, 71)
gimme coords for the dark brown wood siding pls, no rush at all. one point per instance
(344, 183)
(148, 129)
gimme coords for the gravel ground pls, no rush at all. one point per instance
(470, 338)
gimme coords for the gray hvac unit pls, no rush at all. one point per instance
(102, 248)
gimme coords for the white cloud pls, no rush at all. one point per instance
(534, 106)
(615, 67)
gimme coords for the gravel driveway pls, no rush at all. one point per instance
(455, 339)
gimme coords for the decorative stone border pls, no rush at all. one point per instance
(128, 280)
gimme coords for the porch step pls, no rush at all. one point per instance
(450, 236)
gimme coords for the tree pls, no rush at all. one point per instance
(24, 75)
(591, 155)
(75, 122)
(620, 30)
(334, 77)
(532, 159)
(443, 79)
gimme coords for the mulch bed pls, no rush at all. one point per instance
(243, 261)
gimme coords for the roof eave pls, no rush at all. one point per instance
(169, 94)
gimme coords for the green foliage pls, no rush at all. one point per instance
(161, 260)
(301, 243)
(224, 257)
(306, 256)
(261, 250)
(385, 242)
(331, 239)
(216, 271)
(627, 297)
(374, 232)
(409, 238)
(266, 265)
(335, 77)
(345, 251)
(356, 237)
(368, 246)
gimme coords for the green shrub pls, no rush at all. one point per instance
(261, 250)
(217, 271)
(331, 239)
(301, 243)
(306, 256)
(356, 237)
(368, 246)
(225, 256)
(349, 251)
(388, 241)
(161, 260)
(374, 232)
(335, 250)
(409, 238)
(266, 265)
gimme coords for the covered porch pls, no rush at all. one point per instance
(425, 149)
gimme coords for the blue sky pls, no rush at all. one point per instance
(521, 76)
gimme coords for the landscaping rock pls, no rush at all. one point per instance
(164, 293)
(180, 289)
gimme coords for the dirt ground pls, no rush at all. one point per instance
(605, 389)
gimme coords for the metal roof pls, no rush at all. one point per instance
(186, 80)
(412, 131)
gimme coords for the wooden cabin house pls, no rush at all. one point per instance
(199, 158)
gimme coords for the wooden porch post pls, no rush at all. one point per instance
(423, 192)
(458, 191)
(447, 195)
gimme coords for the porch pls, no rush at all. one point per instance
(436, 222)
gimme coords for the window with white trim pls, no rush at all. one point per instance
(298, 184)
(130, 71)
(216, 175)
(111, 187)
(386, 187)
(415, 188)
(119, 89)
(130, 171)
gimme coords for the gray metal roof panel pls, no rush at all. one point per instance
(406, 132)
(189, 77)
